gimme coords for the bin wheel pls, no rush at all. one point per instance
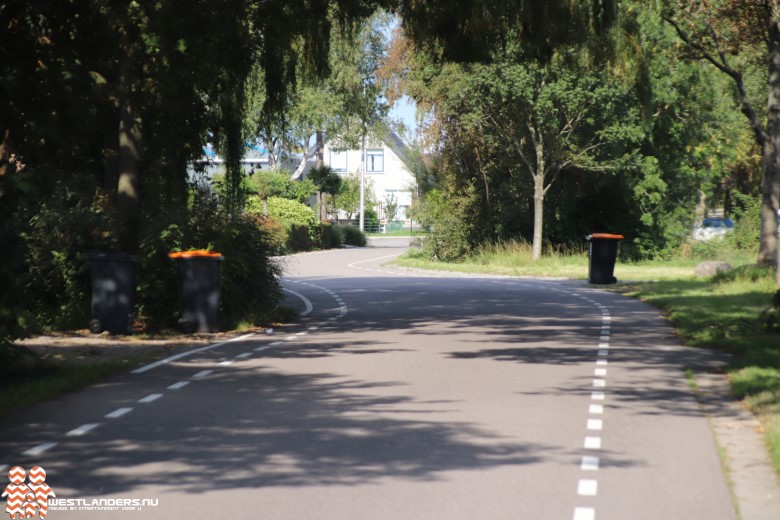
(186, 326)
(95, 326)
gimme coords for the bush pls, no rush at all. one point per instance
(338, 235)
(72, 221)
(298, 238)
(290, 211)
(352, 236)
(454, 223)
(301, 231)
(250, 290)
(747, 227)
(328, 238)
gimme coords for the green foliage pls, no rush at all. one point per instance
(338, 236)
(288, 210)
(626, 147)
(352, 236)
(67, 225)
(299, 238)
(454, 221)
(250, 290)
(301, 230)
(747, 226)
(277, 183)
(391, 207)
(325, 179)
(348, 199)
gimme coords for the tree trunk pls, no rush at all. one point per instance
(319, 158)
(770, 185)
(129, 166)
(5, 157)
(110, 156)
(538, 216)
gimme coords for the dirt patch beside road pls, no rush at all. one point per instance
(83, 347)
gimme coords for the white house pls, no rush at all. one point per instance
(386, 164)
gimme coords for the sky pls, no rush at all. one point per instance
(404, 109)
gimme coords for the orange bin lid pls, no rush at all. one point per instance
(194, 253)
(606, 235)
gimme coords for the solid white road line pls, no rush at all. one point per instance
(306, 301)
(188, 353)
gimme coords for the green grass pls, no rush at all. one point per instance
(727, 312)
(514, 259)
(405, 232)
(38, 380)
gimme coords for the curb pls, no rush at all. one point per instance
(739, 435)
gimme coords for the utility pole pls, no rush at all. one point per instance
(362, 180)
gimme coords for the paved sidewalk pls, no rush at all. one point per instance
(753, 481)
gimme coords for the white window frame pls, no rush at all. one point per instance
(372, 153)
(336, 161)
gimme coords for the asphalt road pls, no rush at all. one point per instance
(397, 395)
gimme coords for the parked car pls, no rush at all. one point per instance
(713, 228)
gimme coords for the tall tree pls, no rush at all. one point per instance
(727, 34)
(555, 117)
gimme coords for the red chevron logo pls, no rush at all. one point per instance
(37, 475)
(16, 475)
(29, 501)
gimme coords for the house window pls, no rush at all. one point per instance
(375, 161)
(338, 161)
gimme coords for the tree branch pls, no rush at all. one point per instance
(722, 64)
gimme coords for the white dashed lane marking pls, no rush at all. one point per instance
(589, 463)
(584, 513)
(595, 424)
(592, 443)
(118, 413)
(82, 430)
(39, 450)
(587, 488)
(188, 353)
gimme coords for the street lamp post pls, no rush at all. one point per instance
(362, 181)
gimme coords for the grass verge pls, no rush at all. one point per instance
(731, 312)
(37, 379)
